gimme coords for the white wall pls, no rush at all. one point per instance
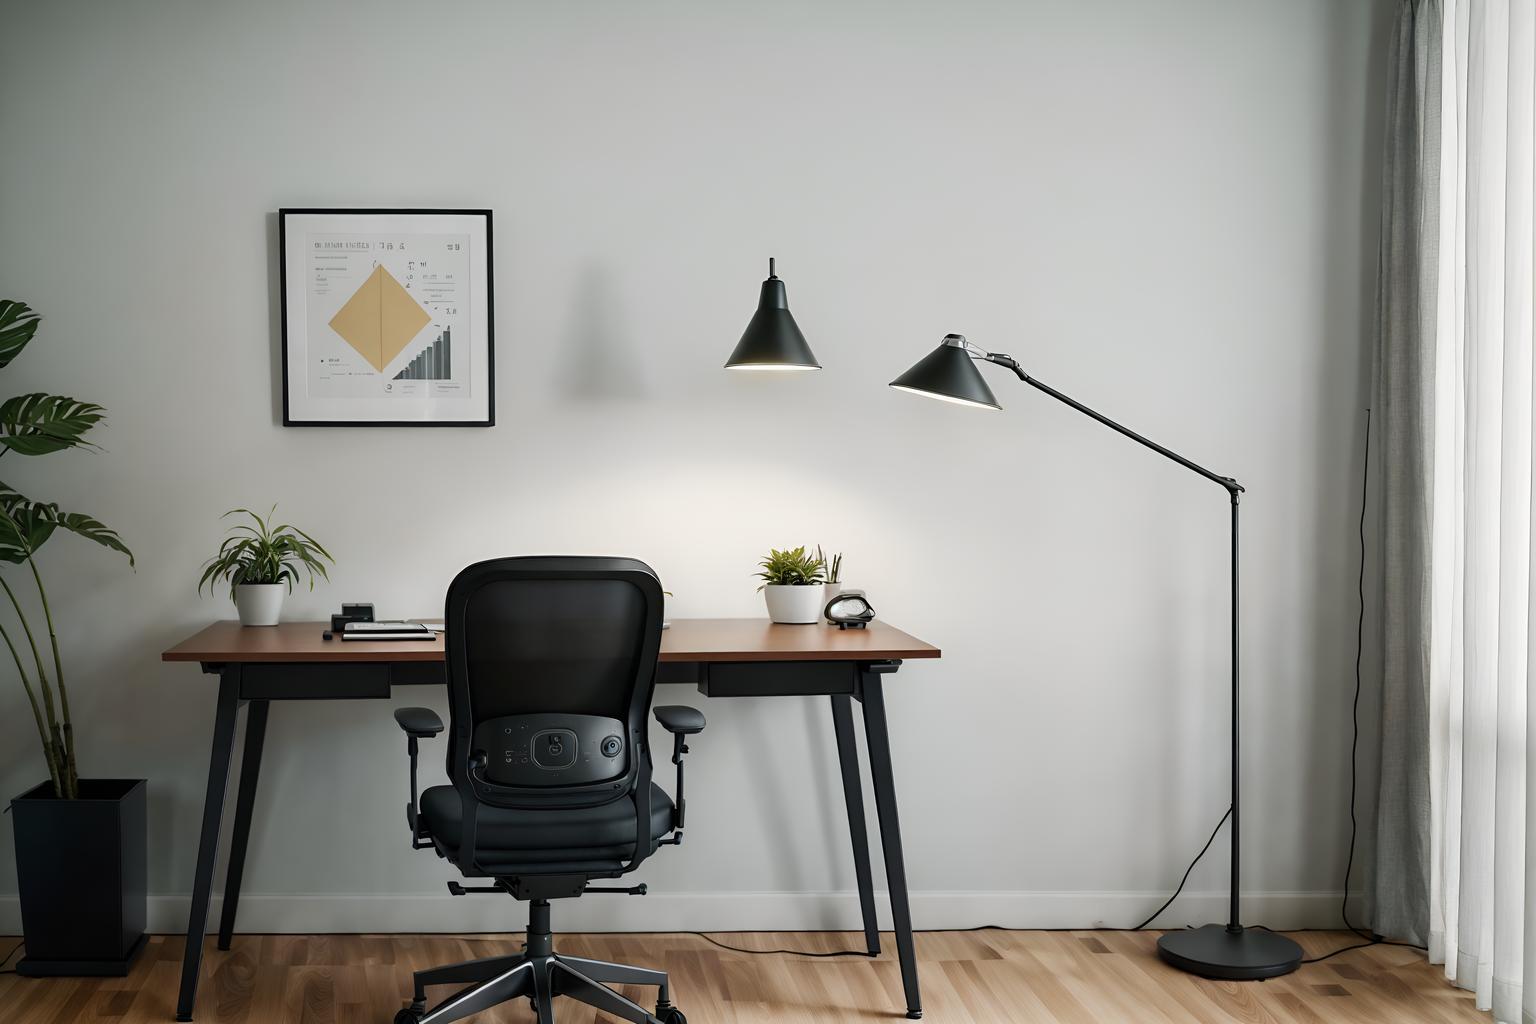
(1164, 210)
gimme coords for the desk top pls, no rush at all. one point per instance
(686, 640)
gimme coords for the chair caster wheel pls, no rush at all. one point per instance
(671, 1015)
(410, 1015)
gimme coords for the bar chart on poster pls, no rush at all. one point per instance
(434, 363)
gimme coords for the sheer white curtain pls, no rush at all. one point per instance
(1482, 769)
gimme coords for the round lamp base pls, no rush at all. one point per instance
(1212, 951)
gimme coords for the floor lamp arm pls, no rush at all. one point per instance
(1232, 486)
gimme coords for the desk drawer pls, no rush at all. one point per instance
(418, 673)
(779, 678)
(314, 681)
(689, 673)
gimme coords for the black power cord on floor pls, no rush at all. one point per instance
(1345, 949)
(785, 952)
(7, 958)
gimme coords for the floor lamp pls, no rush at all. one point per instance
(1227, 951)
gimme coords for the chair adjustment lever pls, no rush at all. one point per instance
(633, 890)
(461, 890)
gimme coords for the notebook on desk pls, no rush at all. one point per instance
(387, 630)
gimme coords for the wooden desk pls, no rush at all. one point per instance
(722, 657)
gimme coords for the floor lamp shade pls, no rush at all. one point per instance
(772, 340)
(950, 374)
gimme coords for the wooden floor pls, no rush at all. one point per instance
(986, 976)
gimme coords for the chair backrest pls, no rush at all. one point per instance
(551, 663)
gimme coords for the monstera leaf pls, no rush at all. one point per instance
(82, 525)
(26, 525)
(17, 325)
(38, 424)
(22, 531)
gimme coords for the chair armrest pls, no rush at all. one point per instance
(419, 722)
(679, 719)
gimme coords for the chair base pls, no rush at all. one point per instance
(538, 974)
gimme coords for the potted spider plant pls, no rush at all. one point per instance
(261, 561)
(791, 585)
(81, 851)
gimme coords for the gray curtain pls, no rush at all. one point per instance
(1405, 332)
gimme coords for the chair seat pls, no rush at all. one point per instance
(552, 839)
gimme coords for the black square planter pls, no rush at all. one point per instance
(82, 871)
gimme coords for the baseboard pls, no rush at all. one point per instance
(314, 913)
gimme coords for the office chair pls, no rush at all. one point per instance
(551, 663)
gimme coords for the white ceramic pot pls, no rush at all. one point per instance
(793, 604)
(259, 604)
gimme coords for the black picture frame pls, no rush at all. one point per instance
(284, 213)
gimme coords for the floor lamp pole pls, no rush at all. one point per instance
(1227, 951)
(1234, 919)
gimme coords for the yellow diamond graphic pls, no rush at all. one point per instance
(380, 319)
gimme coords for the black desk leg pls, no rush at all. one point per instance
(250, 771)
(879, 742)
(853, 794)
(208, 844)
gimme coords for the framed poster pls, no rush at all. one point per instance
(387, 318)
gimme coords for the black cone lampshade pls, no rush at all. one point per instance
(950, 374)
(772, 340)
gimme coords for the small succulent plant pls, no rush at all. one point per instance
(792, 567)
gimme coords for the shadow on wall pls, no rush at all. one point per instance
(597, 360)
